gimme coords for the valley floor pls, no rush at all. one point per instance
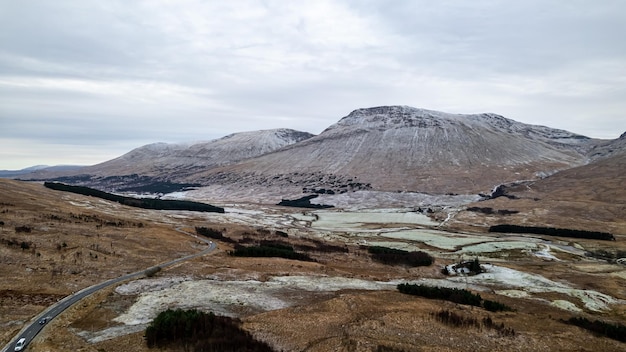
(342, 301)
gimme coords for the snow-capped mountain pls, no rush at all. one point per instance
(388, 148)
(163, 161)
(400, 148)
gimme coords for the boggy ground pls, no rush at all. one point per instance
(351, 313)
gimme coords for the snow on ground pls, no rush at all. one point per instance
(490, 247)
(361, 200)
(231, 298)
(394, 228)
(149, 285)
(438, 239)
(349, 221)
(545, 253)
(513, 293)
(228, 297)
(501, 276)
(251, 296)
(566, 305)
(108, 333)
(532, 283)
(175, 195)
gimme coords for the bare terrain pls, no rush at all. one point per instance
(343, 301)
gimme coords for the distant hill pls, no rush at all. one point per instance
(45, 168)
(162, 162)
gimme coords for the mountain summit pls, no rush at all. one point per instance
(400, 148)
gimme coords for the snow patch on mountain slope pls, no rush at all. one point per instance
(385, 117)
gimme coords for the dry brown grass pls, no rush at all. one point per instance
(72, 245)
(341, 321)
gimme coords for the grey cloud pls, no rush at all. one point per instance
(124, 72)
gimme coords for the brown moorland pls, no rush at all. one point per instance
(344, 320)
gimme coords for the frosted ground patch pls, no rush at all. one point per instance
(250, 296)
(438, 239)
(228, 297)
(499, 276)
(358, 221)
(361, 200)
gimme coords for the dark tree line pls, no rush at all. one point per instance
(268, 250)
(145, 203)
(551, 231)
(304, 202)
(391, 256)
(456, 295)
(489, 211)
(613, 331)
(213, 233)
(494, 306)
(198, 331)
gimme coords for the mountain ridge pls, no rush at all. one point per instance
(160, 160)
(386, 148)
(400, 148)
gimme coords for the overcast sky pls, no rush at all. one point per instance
(85, 81)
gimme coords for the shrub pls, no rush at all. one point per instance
(456, 320)
(304, 202)
(152, 271)
(392, 256)
(199, 331)
(213, 233)
(500, 328)
(460, 321)
(613, 331)
(550, 231)
(269, 251)
(277, 244)
(460, 296)
(494, 306)
(25, 229)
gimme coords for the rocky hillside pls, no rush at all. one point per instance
(400, 148)
(163, 159)
(606, 149)
(590, 197)
(166, 162)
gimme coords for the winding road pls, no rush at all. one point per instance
(30, 331)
